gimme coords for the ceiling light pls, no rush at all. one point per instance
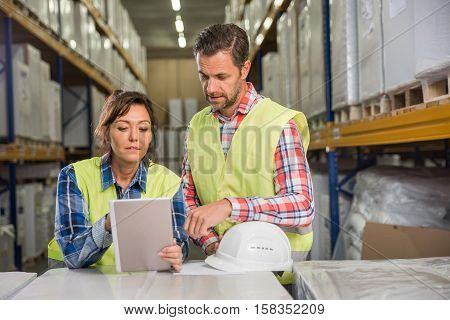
(259, 39)
(278, 3)
(181, 41)
(267, 23)
(179, 25)
(176, 6)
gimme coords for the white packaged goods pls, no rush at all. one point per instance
(321, 249)
(344, 53)
(175, 112)
(67, 22)
(399, 196)
(98, 100)
(54, 115)
(76, 129)
(100, 5)
(106, 57)
(432, 36)
(96, 49)
(81, 29)
(398, 43)
(53, 15)
(190, 109)
(283, 53)
(304, 45)
(373, 280)
(370, 53)
(293, 63)
(40, 8)
(6, 247)
(22, 101)
(43, 111)
(271, 76)
(318, 103)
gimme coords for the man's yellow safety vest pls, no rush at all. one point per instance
(248, 168)
(161, 182)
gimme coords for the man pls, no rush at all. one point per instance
(245, 155)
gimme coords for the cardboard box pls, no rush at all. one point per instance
(383, 241)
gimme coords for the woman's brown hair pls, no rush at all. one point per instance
(117, 105)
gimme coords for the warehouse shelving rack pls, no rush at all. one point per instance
(424, 123)
(68, 67)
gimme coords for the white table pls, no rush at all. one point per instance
(12, 282)
(404, 279)
(105, 283)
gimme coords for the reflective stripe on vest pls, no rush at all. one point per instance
(161, 182)
(248, 168)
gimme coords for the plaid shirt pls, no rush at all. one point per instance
(83, 243)
(293, 204)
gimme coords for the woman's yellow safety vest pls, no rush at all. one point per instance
(161, 182)
(248, 168)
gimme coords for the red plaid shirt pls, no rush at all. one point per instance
(293, 204)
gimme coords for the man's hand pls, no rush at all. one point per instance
(172, 254)
(200, 219)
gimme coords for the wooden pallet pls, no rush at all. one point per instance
(436, 86)
(317, 122)
(347, 114)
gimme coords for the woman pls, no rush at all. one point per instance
(125, 131)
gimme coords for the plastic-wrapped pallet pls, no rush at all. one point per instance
(44, 131)
(53, 15)
(22, 101)
(190, 109)
(54, 115)
(373, 280)
(344, 53)
(432, 36)
(283, 38)
(76, 129)
(370, 53)
(304, 50)
(81, 29)
(176, 112)
(318, 103)
(293, 63)
(398, 43)
(409, 197)
(6, 247)
(248, 25)
(271, 76)
(40, 8)
(321, 249)
(68, 22)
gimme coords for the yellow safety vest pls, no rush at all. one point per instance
(161, 182)
(248, 168)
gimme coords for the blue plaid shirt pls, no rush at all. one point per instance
(83, 243)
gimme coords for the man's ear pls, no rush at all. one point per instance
(245, 69)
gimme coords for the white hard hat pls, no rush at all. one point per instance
(253, 246)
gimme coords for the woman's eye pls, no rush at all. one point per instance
(122, 128)
(143, 129)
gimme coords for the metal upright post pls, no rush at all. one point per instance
(11, 136)
(333, 169)
(59, 79)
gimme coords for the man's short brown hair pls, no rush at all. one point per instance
(223, 37)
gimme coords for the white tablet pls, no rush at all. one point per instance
(140, 229)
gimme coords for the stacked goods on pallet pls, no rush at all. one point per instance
(398, 43)
(321, 249)
(344, 54)
(35, 218)
(271, 87)
(312, 86)
(283, 45)
(67, 22)
(370, 53)
(432, 46)
(100, 5)
(6, 246)
(409, 197)
(35, 101)
(53, 15)
(81, 29)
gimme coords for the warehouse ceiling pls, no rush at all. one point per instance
(154, 20)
